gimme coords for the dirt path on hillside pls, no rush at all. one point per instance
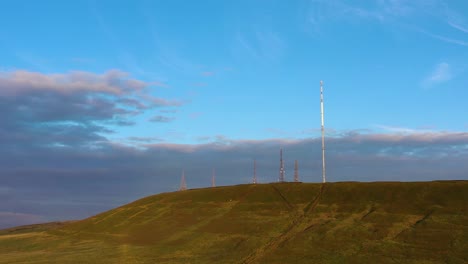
(297, 226)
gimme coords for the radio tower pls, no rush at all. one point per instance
(323, 133)
(254, 180)
(183, 184)
(281, 170)
(213, 183)
(296, 171)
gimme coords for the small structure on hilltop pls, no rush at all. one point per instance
(183, 184)
(296, 171)
(254, 179)
(213, 175)
(281, 169)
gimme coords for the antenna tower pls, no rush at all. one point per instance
(281, 171)
(254, 180)
(183, 184)
(296, 171)
(213, 183)
(323, 133)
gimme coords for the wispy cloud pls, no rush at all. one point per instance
(397, 7)
(408, 14)
(169, 111)
(278, 132)
(199, 84)
(241, 43)
(263, 45)
(172, 60)
(159, 84)
(195, 115)
(441, 73)
(322, 11)
(442, 38)
(270, 44)
(456, 20)
(145, 139)
(403, 130)
(161, 119)
(208, 73)
(216, 140)
(458, 26)
(37, 63)
(82, 60)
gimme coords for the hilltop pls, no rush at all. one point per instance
(345, 222)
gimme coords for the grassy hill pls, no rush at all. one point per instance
(346, 222)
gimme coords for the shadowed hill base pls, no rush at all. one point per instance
(346, 222)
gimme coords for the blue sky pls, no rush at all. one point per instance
(251, 69)
(98, 95)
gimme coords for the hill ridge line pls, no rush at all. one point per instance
(344, 222)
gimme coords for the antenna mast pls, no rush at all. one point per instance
(183, 184)
(281, 172)
(254, 181)
(213, 183)
(296, 171)
(323, 133)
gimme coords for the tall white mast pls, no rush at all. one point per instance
(323, 133)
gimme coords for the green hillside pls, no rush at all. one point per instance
(346, 222)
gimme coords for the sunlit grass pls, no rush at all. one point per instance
(422, 222)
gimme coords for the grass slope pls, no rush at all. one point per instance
(346, 222)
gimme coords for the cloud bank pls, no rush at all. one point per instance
(62, 183)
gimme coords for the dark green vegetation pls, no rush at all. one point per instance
(348, 222)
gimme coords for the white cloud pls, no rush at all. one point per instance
(458, 26)
(111, 83)
(74, 109)
(403, 130)
(441, 73)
